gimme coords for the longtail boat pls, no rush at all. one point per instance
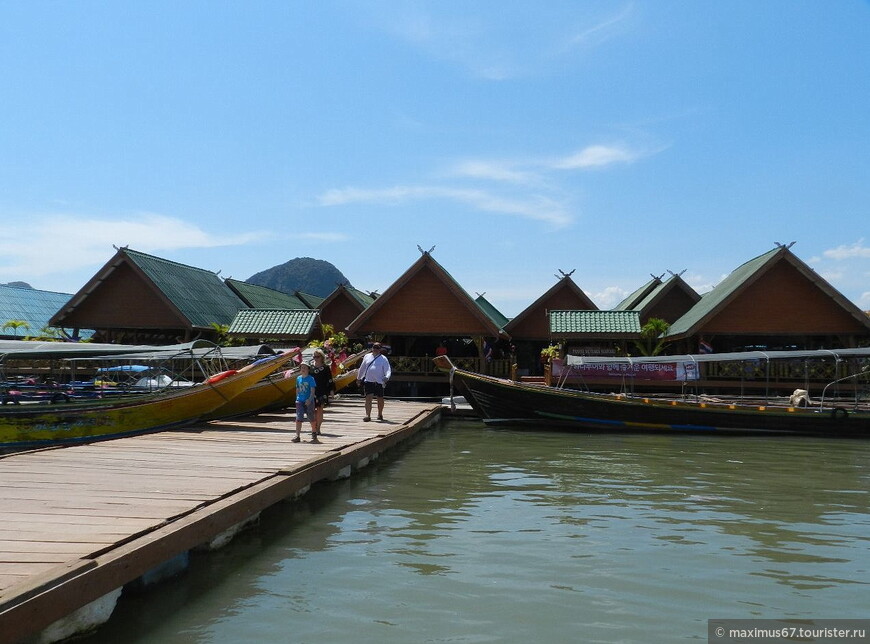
(278, 390)
(500, 401)
(30, 425)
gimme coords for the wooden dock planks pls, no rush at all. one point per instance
(66, 512)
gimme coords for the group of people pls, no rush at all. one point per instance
(314, 384)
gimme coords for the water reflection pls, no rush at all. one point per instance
(475, 535)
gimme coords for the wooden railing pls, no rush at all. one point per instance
(409, 367)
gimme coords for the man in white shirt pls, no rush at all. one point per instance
(373, 375)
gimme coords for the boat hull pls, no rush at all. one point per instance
(39, 425)
(277, 391)
(505, 402)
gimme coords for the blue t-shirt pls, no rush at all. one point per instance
(304, 388)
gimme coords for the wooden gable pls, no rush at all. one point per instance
(425, 300)
(119, 296)
(340, 308)
(670, 301)
(784, 301)
(773, 294)
(533, 323)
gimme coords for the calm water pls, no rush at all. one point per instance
(476, 535)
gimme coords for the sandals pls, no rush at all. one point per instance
(296, 439)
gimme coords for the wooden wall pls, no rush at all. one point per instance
(784, 301)
(124, 301)
(424, 305)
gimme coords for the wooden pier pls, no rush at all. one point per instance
(78, 523)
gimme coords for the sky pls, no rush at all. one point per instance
(517, 141)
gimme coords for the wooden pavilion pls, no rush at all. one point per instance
(774, 301)
(530, 330)
(423, 307)
(136, 298)
(344, 305)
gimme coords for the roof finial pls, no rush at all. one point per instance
(786, 246)
(564, 274)
(425, 252)
(673, 274)
(658, 278)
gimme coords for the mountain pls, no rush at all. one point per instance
(18, 284)
(312, 276)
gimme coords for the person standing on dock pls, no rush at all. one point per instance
(373, 375)
(322, 374)
(306, 388)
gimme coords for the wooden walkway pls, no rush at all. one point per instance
(79, 522)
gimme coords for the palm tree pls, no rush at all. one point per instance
(15, 325)
(652, 337)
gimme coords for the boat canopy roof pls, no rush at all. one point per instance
(96, 351)
(818, 354)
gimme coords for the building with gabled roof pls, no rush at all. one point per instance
(669, 301)
(27, 312)
(269, 325)
(595, 333)
(140, 298)
(533, 324)
(263, 297)
(530, 330)
(343, 305)
(637, 297)
(773, 301)
(424, 304)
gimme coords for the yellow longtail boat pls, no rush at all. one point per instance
(278, 390)
(30, 425)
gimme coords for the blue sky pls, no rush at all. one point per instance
(615, 139)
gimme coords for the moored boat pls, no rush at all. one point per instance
(29, 425)
(505, 402)
(276, 391)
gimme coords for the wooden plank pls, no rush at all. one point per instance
(129, 504)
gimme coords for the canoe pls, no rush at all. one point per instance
(29, 425)
(505, 402)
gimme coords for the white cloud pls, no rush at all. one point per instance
(864, 301)
(322, 237)
(535, 207)
(60, 243)
(596, 156)
(535, 170)
(609, 297)
(602, 31)
(493, 170)
(490, 44)
(858, 249)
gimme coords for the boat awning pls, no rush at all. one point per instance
(818, 354)
(153, 354)
(24, 349)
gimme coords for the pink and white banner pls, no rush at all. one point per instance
(675, 371)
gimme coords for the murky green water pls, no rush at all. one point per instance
(476, 535)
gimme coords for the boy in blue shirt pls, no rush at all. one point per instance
(305, 386)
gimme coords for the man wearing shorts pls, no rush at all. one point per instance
(373, 375)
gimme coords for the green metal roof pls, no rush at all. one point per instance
(594, 322)
(712, 300)
(32, 306)
(492, 313)
(262, 297)
(200, 295)
(632, 301)
(296, 323)
(312, 301)
(363, 298)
